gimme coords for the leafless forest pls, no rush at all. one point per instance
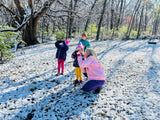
(101, 19)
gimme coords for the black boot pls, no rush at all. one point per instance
(98, 90)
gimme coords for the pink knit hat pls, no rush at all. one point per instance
(67, 41)
(80, 45)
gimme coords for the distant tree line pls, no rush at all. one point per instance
(101, 19)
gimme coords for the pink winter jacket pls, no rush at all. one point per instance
(94, 69)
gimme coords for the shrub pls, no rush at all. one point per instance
(60, 35)
(92, 30)
(147, 32)
(122, 32)
(133, 34)
(103, 33)
(6, 42)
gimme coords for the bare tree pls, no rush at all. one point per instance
(112, 14)
(120, 14)
(89, 16)
(101, 19)
(140, 22)
(30, 26)
(72, 15)
(156, 19)
(133, 18)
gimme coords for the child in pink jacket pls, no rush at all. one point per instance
(95, 71)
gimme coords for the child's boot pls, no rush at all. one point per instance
(80, 81)
(61, 73)
(57, 74)
(76, 82)
(98, 90)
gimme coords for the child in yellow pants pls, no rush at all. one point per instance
(76, 65)
(78, 73)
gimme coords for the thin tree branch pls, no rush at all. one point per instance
(84, 2)
(21, 26)
(30, 4)
(43, 9)
(57, 15)
(15, 15)
(63, 11)
(20, 8)
(62, 4)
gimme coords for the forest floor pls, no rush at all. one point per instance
(30, 89)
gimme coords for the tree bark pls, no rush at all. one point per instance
(71, 17)
(29, 24)
(155, 26)
(20, 9)
(133, 19)
(101, 19)
(30, 33)
(120, 14)
(145, 18)
(89, 16)
(1, 57)
(140, 22)
(30, 29)
(70, 20)
(112, 14)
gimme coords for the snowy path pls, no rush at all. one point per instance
(30, 89)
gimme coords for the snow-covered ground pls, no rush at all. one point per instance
(30, 89)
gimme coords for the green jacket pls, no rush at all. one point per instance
(85, 43)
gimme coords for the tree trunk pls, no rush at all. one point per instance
(54, 28)
(30, 28)
(89, 16)
(1, 57)
(156, 24)
(101, 19)
(133, 19)
(71, 18)
(67, 27)
(30, 33)
(112, 37)
(155, 27)
(123, 9)
(146, 19)
(112, 14)
(139, 28)
(120, 14)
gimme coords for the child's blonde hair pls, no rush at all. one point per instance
(84, 34)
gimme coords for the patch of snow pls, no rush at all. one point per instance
(30, 89)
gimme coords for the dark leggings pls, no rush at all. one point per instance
(92, 85)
